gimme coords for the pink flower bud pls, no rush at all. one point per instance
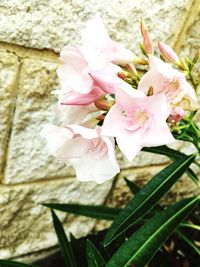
(176, 115)
(168, 53)
(121, 75)
(102, 104)
(146, 38)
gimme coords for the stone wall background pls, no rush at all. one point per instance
(31, 35)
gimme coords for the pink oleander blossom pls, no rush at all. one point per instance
(137, 121)
(91, 155)
(77, 84)
(70, 114)
(164, 79)
(95, 37)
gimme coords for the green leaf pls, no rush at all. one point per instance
(79, 248)
(94, 257)
(143, 244)
(132, 186)
(98, 212)
(8, 263)
(147, 197)
(64, 244)
(166, 151)
(173, 155)
(188, 241)
(190, 225)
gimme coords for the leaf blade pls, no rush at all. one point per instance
(63, 241)
(94, 257)
(143, 244)
(97, 212)
(147, 197)
(9, 263)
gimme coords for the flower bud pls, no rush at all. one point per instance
(168, 53)
(138, 60)
(121, 75)
(196, 57)
(103, 104)
(131, 67)
(146, 38)
(176, 115)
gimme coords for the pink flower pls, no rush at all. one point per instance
(96, 37)
(137, 121)
(164, 79)
(74, 114)
(91, 155)
(77, 84)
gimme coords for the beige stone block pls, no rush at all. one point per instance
(28, 158)
(190, 43)
(26, 226)
(9, 66)
(53, 24)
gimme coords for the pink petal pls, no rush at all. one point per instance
(75, 98)
(104, 167)
(73, 74)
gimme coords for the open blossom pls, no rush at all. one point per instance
(164, 79)
(70, 114)
(137, 120)
(96, 37)
(91, 155)
(77, 84)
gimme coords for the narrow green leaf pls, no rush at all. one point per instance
(94, 257)
(190, 225)
(98, 212)
(9, 263)
(166, 151)
(64, 244)
(135, 189)
(79, 248)
(147, 197)
(143, 244)
(188, 241)
(173, 155)
(132, 186)
(193, 176)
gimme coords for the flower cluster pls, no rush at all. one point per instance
(105, 101)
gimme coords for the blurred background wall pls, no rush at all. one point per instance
(31, 35)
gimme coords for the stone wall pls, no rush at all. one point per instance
(31, 35)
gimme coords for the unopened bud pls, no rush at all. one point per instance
(100, 117)
(182, 65)
(150, 91)
(121, 75)
(176, 115)
(196, 57)
(138, 60)
(131, 67)
(146, 38)
(168, 53)
(103, 104)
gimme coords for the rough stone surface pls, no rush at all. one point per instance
(28, 158)
(191, 40)
(27, 227)
(53, 24)
(9, 66)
